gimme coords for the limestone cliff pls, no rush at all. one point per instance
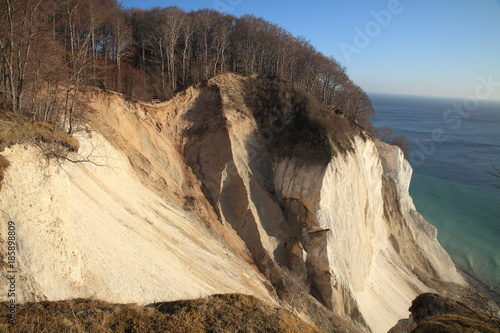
(237, 185)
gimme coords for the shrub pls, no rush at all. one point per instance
(14, 131)
(4, 164)
(295, 124)
(403, 143)
(384, 133)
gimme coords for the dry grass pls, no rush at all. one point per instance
(4, 164)
(217, 313)
(18, 129)
(436, 313)
(458, 323)
(12, 132)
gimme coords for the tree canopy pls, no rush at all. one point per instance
(53, 45)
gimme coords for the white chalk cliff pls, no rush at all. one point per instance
(209, 193)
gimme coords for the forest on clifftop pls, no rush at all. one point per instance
(50, 50)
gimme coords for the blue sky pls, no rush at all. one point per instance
(417, 47)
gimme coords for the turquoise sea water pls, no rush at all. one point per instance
(453, 143)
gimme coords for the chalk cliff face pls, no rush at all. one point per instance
(231, 186)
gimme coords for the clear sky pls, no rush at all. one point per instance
(417, 47)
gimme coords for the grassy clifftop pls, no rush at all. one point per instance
(17, 129)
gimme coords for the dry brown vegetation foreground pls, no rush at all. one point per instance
(436, 313)
(216, 313)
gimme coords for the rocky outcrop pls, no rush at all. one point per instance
(435, 313)
(237, 185)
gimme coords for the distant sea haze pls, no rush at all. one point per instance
(451, 155)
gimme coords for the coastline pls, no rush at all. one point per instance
(464, 210)
(480, 286)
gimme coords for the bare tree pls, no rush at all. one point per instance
(331, 76)
(172, 24)
(18, 32)
(403, 143)
(186, 40)
(220, 38)
(79, 56)
(384, 133)
(246, 43)
(121, 38)
(142, 27)
(165, 47)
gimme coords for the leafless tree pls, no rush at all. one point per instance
(53, 45)
(385, 133)
(403, 143)
(18, 32)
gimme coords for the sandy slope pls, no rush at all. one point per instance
(93, 230)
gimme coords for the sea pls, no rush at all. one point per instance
(454, 148)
